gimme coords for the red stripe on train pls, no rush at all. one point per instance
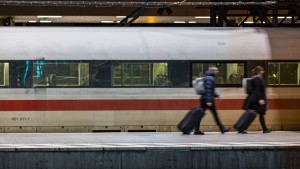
(172, 104)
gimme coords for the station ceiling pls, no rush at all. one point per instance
(145, 12)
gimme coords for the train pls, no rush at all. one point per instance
(112, 79)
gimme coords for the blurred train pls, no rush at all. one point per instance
(87, 79)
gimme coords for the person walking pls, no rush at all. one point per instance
(257, 98)
(207, 99)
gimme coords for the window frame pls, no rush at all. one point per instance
(7, 74)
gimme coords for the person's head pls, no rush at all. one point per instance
(215, 70)
(258, 70)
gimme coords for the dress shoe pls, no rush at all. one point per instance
(186, 133)
(267, 131)
(242, 132)
(224, 130)
(198, 133)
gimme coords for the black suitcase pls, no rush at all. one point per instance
(190, 120)
(245, 120)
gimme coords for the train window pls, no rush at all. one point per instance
(4, 74)
(21, 73)
(140, 74)
(60, 73)
(100, 72)
(230, 73)
(179, 73)
(283, 73)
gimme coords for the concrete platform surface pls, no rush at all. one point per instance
(146, 140)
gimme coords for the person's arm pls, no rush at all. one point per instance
(258, 90)
(209, 90)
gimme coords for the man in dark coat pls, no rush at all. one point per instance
(257, 99)
(208, 99)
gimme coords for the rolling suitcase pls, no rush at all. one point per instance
(190, 120)
(245, 120)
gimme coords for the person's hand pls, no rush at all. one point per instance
(261, 102)
(209, 104)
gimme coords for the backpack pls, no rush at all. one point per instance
(198, 84)
(247, 85)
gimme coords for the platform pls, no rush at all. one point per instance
(128, 150)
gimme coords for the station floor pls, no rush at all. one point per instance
(144, 140)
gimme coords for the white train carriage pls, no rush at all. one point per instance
(88, 79)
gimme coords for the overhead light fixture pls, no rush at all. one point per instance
(121, 17)
(107, 21)
(151, 19)
(49, 16)
(282, 17)
(43, 21)
(192, 22)
(253, 22)
(202, 17)
(179, 21)
(32, 21)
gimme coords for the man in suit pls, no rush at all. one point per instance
(208, 99)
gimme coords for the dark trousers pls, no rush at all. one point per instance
(214, 113)
(262, 122)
